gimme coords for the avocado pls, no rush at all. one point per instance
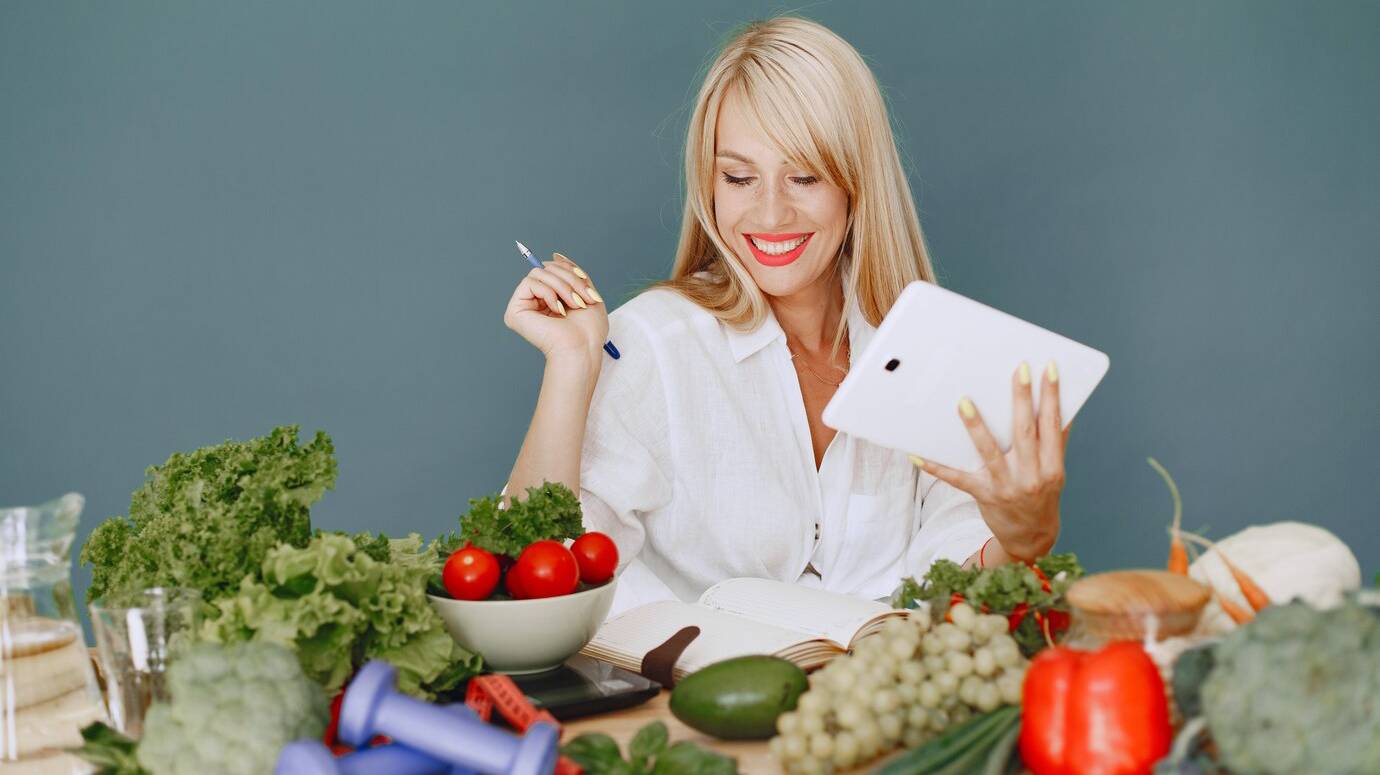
(739, 698)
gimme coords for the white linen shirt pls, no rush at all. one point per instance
(697, 461)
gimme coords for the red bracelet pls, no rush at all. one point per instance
(982, 563)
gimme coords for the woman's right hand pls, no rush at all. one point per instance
(557, 309)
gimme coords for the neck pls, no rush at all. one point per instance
(810, 316)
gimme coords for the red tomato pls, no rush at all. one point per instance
(470, 574)
(597, 556)
(511, 581)
(545, 569)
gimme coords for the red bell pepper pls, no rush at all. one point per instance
(1094, 713)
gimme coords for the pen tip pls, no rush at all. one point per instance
(522, 248)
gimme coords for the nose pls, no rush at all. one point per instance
(775, 208)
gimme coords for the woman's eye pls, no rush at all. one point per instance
(808, 180)
(729, 179)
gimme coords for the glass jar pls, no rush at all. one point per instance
(48, 690)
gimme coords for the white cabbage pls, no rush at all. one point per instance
(1286, 559)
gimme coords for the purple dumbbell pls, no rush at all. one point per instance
(373, 706)
(312, 757)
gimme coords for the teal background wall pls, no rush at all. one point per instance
(218, 217)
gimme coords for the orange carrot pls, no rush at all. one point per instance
(1249, 589)
(1236, 612)
(1178, 554)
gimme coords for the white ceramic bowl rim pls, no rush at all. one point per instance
(524, 601)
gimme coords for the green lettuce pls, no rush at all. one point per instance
(550, 511)
(206, 519)
(337, 606)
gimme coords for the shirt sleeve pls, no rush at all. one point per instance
(951, 526)
(625, 466)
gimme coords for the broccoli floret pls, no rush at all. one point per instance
(1298, 690)
(232, 709)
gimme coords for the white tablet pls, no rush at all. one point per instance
(933, 348)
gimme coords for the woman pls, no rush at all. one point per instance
(701, 450)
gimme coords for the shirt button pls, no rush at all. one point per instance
(816, 531)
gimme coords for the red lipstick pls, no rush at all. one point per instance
(766, 259)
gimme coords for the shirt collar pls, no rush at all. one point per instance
(747, 343)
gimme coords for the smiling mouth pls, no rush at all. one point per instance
(777, 249)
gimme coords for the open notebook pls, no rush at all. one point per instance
(744, 616)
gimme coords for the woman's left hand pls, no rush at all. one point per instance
(1017, 492)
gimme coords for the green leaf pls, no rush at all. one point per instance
(648, 743)
(686, 758)
(110, 751)
(595, 752)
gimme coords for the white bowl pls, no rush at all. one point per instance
(526, 636)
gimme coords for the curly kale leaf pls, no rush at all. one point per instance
(551, 511)
(206, 519)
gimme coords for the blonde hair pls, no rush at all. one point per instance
(812, 94)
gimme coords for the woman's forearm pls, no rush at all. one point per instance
(551, 450)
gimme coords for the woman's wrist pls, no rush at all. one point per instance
(573, 366)
(1027, 549)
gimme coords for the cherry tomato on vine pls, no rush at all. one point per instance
(597, 557)
(470, 574)
(545, 569)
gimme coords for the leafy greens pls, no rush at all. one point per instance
(649, 754)
(551, 511)
(233, 521)
(206, 519)
(1005, 590)
(337, 606)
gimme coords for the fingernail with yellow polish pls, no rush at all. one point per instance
(560, 257)
(577, 301)
(560, 307)
(580, 273)
(1023, 374)
(917, 461)
(1051, 372)
(966, 408)
(593, 294)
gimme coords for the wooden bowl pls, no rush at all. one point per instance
(1119, 605)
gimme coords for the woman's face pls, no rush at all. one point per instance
(782, 223)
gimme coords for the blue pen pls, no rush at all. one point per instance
(531, 259)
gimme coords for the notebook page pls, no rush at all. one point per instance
(814, 613)
(722, 635)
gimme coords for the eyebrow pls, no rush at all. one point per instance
(727, 154)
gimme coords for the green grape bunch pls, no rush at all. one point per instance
(902, 686)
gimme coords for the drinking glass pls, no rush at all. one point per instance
(48, 691)
(137, 636)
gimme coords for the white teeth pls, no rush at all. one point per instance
(777, 248)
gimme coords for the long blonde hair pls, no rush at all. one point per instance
(812, 94)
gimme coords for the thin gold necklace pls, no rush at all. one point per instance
(846, 354)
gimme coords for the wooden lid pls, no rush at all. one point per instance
(1115, 604)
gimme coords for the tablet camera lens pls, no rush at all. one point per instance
(892, 364)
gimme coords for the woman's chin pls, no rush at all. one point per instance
(785, 281)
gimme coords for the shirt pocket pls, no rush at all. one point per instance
(876, 530)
